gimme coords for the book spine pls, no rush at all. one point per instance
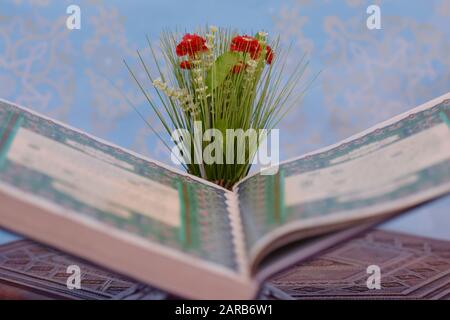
(238, 234)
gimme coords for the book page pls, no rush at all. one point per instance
(49, 164)
(395, 165)
(71, 170)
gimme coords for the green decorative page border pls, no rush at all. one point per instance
(205, 231)
(8, 129)
(261, 212)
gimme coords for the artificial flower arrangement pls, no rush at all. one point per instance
(220, 80)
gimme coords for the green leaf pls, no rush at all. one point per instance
(221, 69)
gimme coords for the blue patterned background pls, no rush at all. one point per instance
(366, 75)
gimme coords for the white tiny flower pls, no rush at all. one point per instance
(176, 94)
(201, 89)
(252, 63)
(192, 108)
(213, 29)
(159, 84)
(157, 81)
(169, 92)
(179, 93)
(263, 34)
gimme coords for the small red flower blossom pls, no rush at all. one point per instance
(246, 44)
(185, 64)
(238, 67)
(191, 44)
(269, 55)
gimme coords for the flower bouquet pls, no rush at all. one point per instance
(219, 94)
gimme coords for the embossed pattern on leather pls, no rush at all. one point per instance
(411, 268)
(29, 270)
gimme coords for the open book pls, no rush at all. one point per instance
(133, 215)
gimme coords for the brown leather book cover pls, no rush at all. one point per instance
(29, 270)
(411, 267)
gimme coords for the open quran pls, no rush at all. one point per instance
(180, 233)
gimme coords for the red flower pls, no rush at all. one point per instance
(191, 44)
(185, 65)
(238, 67)
(246, 44)
(269, 55)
